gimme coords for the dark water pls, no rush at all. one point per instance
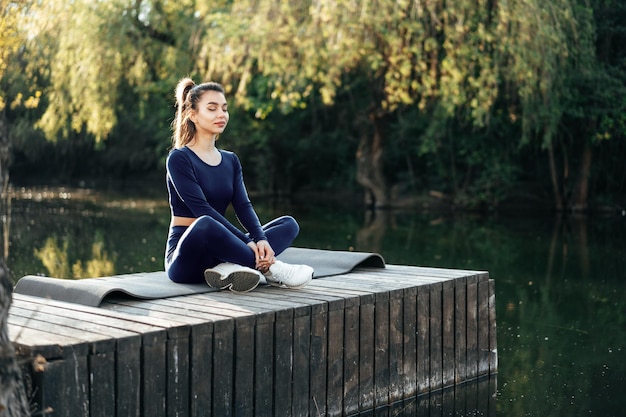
(560, 287)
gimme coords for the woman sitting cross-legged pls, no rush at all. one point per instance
(202, 182)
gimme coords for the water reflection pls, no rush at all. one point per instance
(560, 282)
(55, 259)
(474, 398)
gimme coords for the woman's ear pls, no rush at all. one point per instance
(192, 116)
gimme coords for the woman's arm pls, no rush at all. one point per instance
(187, 188)
(243, 207)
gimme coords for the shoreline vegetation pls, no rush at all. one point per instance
(149, 195)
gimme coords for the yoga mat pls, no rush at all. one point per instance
(155, 285)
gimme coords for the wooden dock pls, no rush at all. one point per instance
(343, 345)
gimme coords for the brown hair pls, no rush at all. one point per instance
(187, 96)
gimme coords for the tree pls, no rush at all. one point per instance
(560, 74)
(432, 55)
(456, 64)
(13, 401)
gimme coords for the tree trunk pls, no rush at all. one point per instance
(369, 163)
(556, 188)
(5, 198)
(13, 400)
(581, 193)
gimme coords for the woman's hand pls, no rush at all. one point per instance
(263, 254)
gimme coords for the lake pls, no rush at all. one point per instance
(560, 287)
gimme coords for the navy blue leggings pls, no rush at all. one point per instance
(206, 243)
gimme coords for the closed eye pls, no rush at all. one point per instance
(214, 106)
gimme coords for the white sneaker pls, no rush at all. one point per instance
(235, 277)
(285, 275)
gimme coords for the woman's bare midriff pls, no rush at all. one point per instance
(182, 221)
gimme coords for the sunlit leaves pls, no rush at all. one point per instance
(56, 259)
(413, 53)
(84, 70)
(544, 41)
(101, 47)
(12, 37)
(449, 54)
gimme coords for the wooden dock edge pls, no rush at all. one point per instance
(342, 345)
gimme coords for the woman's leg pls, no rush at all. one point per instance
(281, 232)
(205, 244)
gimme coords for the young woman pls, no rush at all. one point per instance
(202, 181)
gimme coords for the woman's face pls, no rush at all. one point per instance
(211, 115)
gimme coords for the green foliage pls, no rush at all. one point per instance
(459, 85)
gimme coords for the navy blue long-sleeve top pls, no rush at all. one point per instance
(198, 189)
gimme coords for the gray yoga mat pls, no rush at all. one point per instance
(154, 285)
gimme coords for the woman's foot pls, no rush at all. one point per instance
(235, 277)
(285, 275)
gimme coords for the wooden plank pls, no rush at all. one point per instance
(221, 312)
(29, 342)
(264, 369)
(301, 364)
(102, 363)
(483, 327)
(223, 365)
(379, 282)
(102, 393)
(409, 331)
(162, 378)
(128, 373)
(396, 345)
(493, 340)
(421, 271)
(244, 366)
(325, 311)
(131, 322)
(177, 385)
(154, 377)
(93, 342)
(336, 286)
(291, 348)
(381, 350)
(472, 327)
(311, 306)
(66, 387)
(128, 363)
(460, 330)
(176, 388)
(283, 354)
(343, 349)
(423, 339)
(351, 360)
(203, 342)
(359, 340)
(335, 388)
(319, 358)
(367, 328)
(448, 333)
(71, 374)
(261, 342)
(436, 336)
(279, 354)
